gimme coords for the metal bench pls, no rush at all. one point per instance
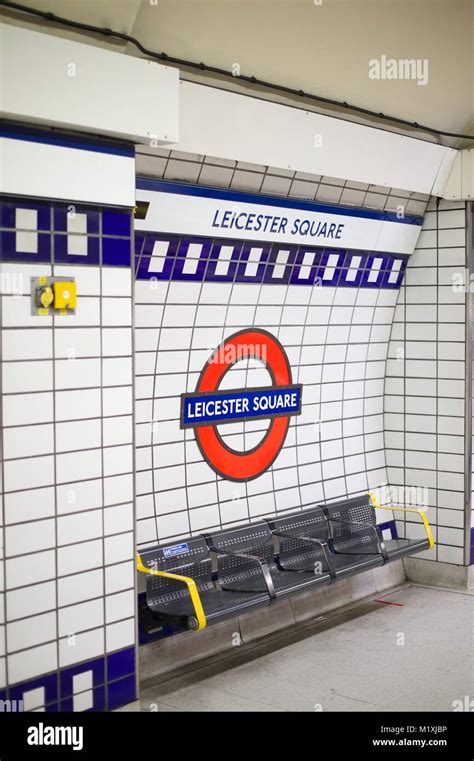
(222, 574)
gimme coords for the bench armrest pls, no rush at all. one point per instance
(309, 540)
(416, 510)
(375, 529)
(262, 563)
(190, 584)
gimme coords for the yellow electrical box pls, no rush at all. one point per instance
(65, 295)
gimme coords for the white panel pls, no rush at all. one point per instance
(66, 173)
(228, 125)
(85, 87)
(198, 215)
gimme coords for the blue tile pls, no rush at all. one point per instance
(60, 215)
(97, 667)
(121, 692)
(116, 222)
(61, 255)
(8, 215)
(49, 682)
(241, 276)
(9, 252)
(120, 664)
(116, 252)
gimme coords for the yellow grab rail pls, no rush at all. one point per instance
(419, 512)
(190, 583)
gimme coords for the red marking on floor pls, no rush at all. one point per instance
(387, 602)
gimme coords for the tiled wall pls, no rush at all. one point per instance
(336, 337)
(67, 601)
(425, 385)
(256, 178)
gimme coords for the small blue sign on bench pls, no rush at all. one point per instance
(176, 549)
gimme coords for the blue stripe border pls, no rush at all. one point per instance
(202, 191)
(82, 143)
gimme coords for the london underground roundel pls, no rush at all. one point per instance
(209, 406)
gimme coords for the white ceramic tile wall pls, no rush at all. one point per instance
(336, 340)
(424, 407)
(66, 513)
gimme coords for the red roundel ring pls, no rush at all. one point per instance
(244, 466)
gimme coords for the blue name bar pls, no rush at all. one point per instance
(230, 406)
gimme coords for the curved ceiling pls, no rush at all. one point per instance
(321, 46)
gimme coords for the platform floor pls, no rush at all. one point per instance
(415, 654)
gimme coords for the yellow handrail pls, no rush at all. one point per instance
(190, 583)
(426, 524)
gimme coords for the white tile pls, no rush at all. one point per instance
(28, 473)
(74, 405)
(26, 441)
(27, 344)
(118, 519)
(118, 606)
(76, 496)
(116, 281)
(79, 527)
(118, 460)
(118, 489)
(119, 548)
(81, 586)
(77, 373)
(116, 342)
(22, 603)
(87, 279)
(20, 574)
(119, 577)
(117, 371)
(120, 635)
(81, 647)
(16, 313)
(87, 313)
(82, 681)
(76, 618)
(80, 557)
(83, 701)
(34, 699)
(80, 434)
(117, 401)
(21, 377)
(40, 629)
(117, 430)
(24, 409)
(32, 662)
(20, 542)
(29, 505)
(72, 466)
(116, 311)
(74, 343)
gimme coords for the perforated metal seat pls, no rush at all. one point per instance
(224, 573)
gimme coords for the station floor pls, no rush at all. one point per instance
(413, 651)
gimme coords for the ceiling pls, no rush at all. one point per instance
(321, 46)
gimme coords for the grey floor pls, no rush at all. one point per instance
(417, 656)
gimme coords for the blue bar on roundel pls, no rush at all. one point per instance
(212, 408)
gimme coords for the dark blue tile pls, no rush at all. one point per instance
(157, 269)
(116, 222)
(121, 692)
(60, 217)
(223, 270)
(49, 682)
(8, 212)
(98, 703)
(120, 664)
(97, 667)
(249, 262)
(61, 255)
(116, 252)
